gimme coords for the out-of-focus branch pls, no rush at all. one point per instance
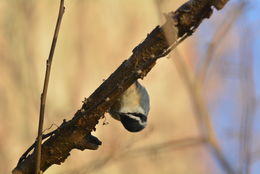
(201, 113)
(75, 133)
(45, 88)
(172, 144)
(114, 154)
(189, 78)
(218, 38)
(99, 163)
(248, 101)
(255, 156)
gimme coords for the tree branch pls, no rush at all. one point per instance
(75, 133)
(45, 88)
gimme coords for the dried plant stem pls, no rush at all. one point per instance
(45, 88)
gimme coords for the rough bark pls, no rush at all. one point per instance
(75, 133)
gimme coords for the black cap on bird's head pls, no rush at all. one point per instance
(133, 122)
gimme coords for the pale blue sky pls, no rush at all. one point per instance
(225, 110)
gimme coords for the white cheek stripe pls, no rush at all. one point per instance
(137, 110)
(137, 118)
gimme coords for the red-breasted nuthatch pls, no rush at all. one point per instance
(132, 108)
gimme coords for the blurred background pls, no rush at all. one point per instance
(204, 114)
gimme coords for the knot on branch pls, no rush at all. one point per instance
(191, 14)
(89, 142)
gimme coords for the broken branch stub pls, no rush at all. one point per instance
(75, 133)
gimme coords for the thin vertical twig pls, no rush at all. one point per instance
(45, 87)
(248, 102)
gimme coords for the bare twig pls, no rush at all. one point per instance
(202, 116)
(45, 88)
(25, 154)
(172, 144)
(201, 113)
(113, 154)
(248, 102)
(220, 156)
(121, 153)
(75, 133)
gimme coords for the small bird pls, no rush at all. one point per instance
(132, 108)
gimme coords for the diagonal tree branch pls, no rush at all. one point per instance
(75, 133)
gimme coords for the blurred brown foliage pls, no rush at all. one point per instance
(95, 37)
